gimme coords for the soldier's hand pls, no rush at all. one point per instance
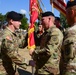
(31, 51)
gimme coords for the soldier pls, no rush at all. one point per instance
(68, 58)
(47, 57)
(1, 67)
(58, 24)
(11, 42)
(40, 30)
(38, 34)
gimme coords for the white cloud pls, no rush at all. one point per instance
(22, 11)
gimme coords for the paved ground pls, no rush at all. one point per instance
(25, 53)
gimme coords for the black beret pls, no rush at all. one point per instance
(14, 15)
(48, 13)
(39, 23)
(71, 3)
(57, 18)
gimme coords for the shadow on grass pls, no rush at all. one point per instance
(23, 72)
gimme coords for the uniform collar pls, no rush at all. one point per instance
(49, 29)
(10, 30)
(73, 27)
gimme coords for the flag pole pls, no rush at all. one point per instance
(52, 9)
(43, 5)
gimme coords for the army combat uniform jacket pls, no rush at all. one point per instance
(48, 56)
(68, 59)
(9, 50)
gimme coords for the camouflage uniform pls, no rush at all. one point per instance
(2, 72)
(48, 56)
(9, 51)
(68, 59)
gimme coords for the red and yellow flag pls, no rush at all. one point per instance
(33, 16)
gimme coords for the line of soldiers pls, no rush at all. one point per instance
(56, 54)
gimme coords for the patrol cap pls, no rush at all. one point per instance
(48, 13)
(14, 15)
(57, 18)
(71, 3)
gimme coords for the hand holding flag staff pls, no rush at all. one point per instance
(34, 12)
(33, 16)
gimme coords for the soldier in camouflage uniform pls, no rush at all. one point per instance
(11, 42)
(58, 24)
(38, 34)
(68, 58)
(1, 67)
(47, 57)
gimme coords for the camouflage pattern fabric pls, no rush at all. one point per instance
(0, 42)
(48, 56)
(68, 59)
(2, 70)
(11, 42)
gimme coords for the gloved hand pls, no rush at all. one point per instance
(31, 51)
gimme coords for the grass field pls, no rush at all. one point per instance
(25, 54)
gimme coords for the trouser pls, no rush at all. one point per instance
(2, 70)
(10, 68)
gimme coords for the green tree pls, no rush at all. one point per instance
(24, 22)
(2, 19)
(63, 21)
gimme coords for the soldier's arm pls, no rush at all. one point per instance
(69, 47)
(55, 42)
(52, 44)
(8, 48)
(22, 40)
